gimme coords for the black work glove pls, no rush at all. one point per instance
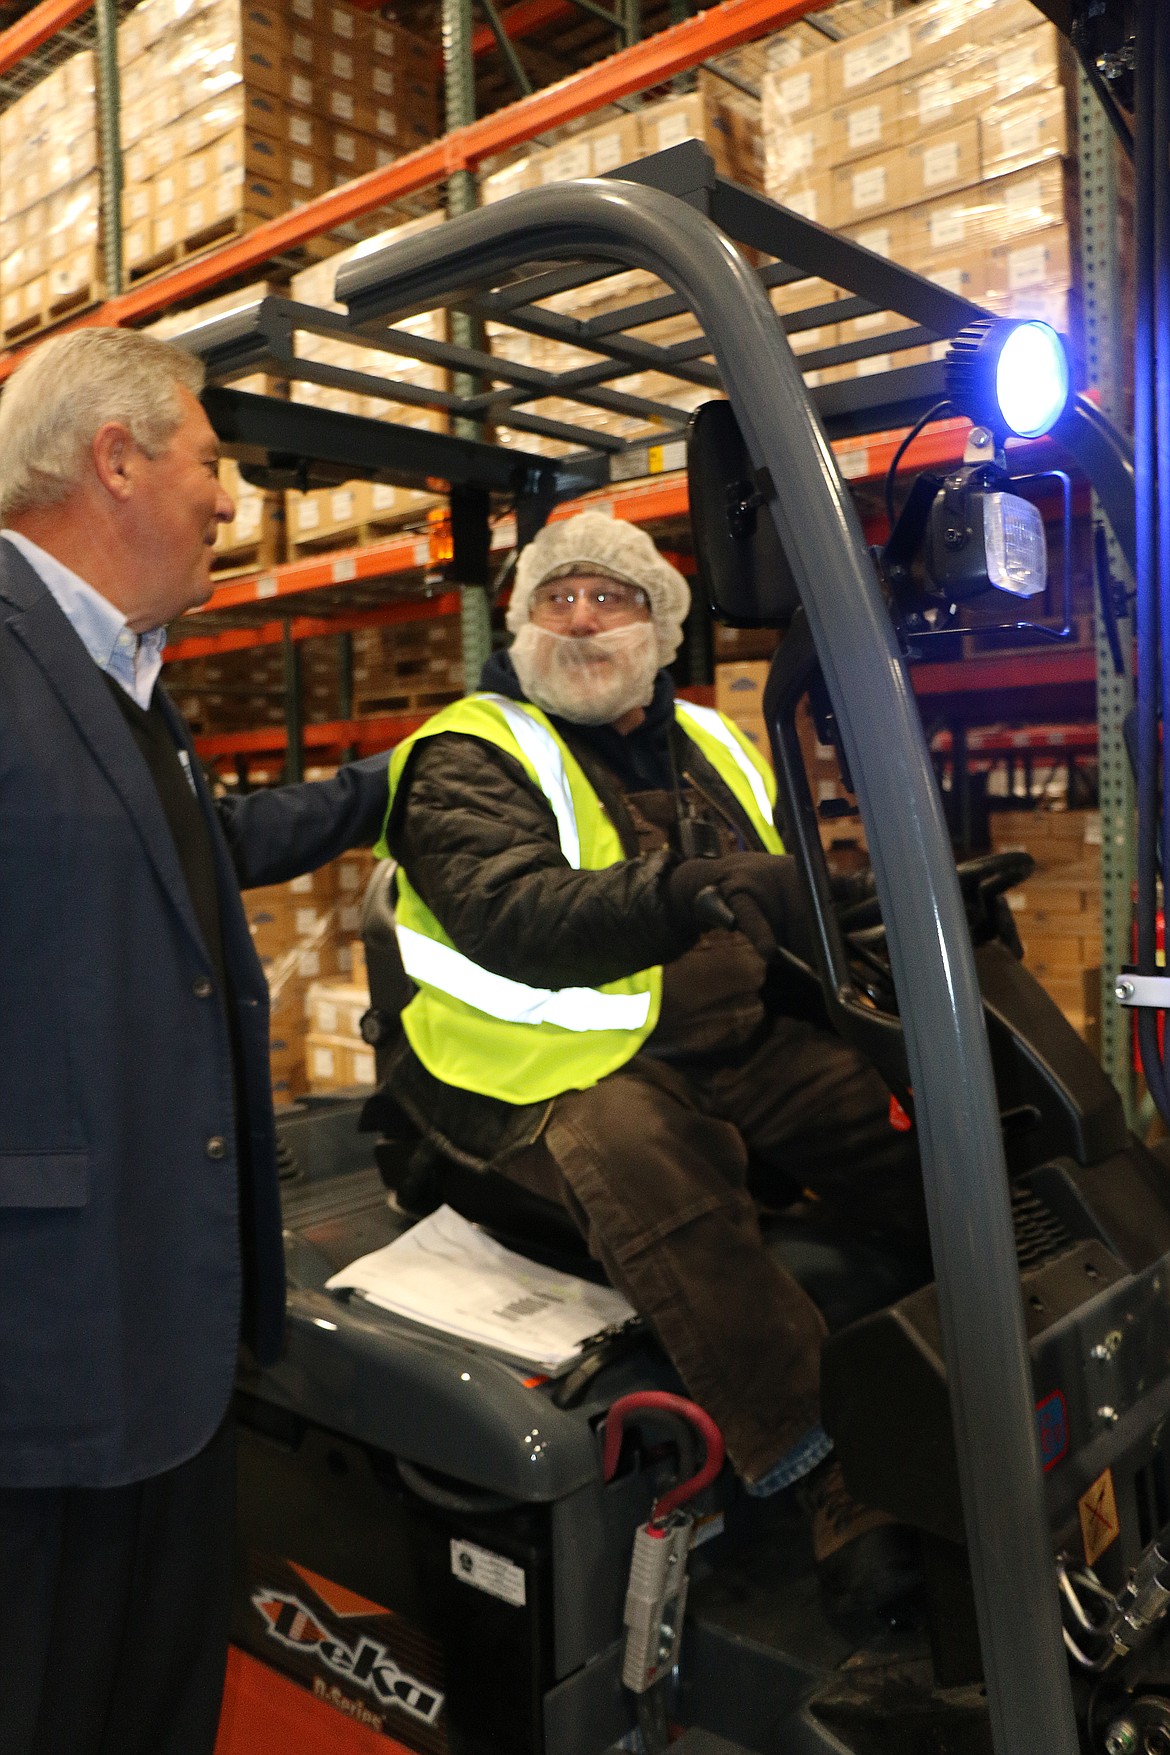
(758, 894)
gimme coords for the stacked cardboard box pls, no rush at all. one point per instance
(336, 1056)
(234, 111)
(303, 931)
(739, 692)
(233, 691)
(326, 517)
(50, 234)
(941, 139)
(725, 119)
(256, 534)
(1058, 910)
(408, 667)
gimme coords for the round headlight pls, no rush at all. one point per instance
(1011, 376)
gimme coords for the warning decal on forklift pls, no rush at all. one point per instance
(1099, 1521)
(493, 1573)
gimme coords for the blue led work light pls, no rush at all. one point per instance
(1009, 376)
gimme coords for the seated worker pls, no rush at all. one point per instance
(589, 895)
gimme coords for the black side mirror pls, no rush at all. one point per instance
(742, 567)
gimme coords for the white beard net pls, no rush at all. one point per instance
(589, 679)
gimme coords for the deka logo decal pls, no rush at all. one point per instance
(367, 1663)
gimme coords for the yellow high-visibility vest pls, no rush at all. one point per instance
(501, 1038)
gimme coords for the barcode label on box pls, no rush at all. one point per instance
(870, 60)
(936, 100)
(864, 127)
(795, 93)
(1020, 136)
(948, 227)
(1017, 68)
(940, 164)
(1027, 266)
(878, 238)
(869, 188)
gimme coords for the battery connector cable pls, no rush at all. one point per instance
(660, 1401)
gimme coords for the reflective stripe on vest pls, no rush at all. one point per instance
(708, 720)
(543, 751)
(570, 1008)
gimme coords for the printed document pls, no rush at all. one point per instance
(448, 1275)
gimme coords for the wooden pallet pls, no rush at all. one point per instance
(359, 534)
(213, 237)
(411, 701)
(51, 313)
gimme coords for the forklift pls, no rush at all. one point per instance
(443, 1553)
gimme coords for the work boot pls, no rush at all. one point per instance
(866, 1561)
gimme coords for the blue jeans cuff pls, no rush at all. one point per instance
(813, 1448)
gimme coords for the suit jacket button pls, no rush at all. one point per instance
(203, 988)
(216, 1146)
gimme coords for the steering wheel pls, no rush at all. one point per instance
(981, 881)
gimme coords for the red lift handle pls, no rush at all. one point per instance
(650, 1399)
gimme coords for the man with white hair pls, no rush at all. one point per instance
(590, 898)
(139, 1207)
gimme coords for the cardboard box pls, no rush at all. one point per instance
(793, 155)
(739, 692)
(793, 94)
(888, 236)
(956, 91)
(333, 1063)
(868, 187)
(867, 62)
(813, 198)
(1031, 59)
(1002, 20)
(964, 275)
(326, 512)
(911, 43)
(336, 1008)
(868, 125)
(614, 143)
(940, 163)
(1040, 261)
(307, 176)
(1031, 200)
(1024, 131)
(953, 225)
(511, 180)
(734, 143)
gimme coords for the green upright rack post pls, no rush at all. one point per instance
(1103, 360)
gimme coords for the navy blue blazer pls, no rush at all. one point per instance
(126, 1201)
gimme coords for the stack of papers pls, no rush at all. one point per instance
(447, 1275)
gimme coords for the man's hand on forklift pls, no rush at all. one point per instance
(758, 894)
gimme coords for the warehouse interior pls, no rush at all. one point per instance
(258, 180)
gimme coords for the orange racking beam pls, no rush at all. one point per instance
(367, 735)
(312, 627)
(644, 64)
(36, 27)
